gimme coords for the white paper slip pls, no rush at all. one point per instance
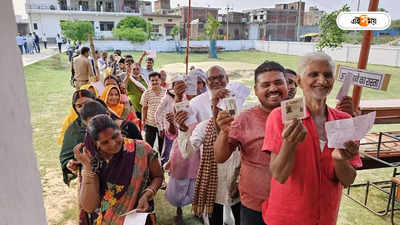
(151, 53)
(135, 218)
(191, 84)
(341, 131)
(293, 109)
(185, 106)
(182, 106)
(344, 90)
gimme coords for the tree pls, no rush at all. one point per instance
(331, 35)
(77, 30)
(175, 31)
(212, 27)
(133, 28)
(395, 25)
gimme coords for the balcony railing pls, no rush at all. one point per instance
(79, 8)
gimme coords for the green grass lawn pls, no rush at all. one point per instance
(50, 96)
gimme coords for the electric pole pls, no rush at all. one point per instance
(227, 21)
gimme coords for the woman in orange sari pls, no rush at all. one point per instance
(112, 97)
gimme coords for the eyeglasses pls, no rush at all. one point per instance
(213, 78)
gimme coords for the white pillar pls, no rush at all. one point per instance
(21, 199)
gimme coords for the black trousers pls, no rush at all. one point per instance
(21, 49)
(59, 47)
(45, 44)
(217, 217)
(250, 217)
(150, 137)
(139, 115)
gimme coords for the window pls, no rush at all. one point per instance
(201, 25)
(254, 17)
(156, 28)
(169, 20)
(106, 26)
(84, 4)
(261, 17)
(168, 30)
(109, 7)
(35, 26)
(150, 19)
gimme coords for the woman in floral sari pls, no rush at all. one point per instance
(123, 175)
(112, 97)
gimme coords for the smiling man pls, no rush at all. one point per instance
(247, 132)
(307, 175)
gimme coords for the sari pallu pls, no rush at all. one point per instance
(123, 180)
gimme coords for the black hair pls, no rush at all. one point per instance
(118, 52)
(112, 77)
(98, 124)
(151, 59)
(128, 56)
(290, 71)
(84, 50)
(267, 66)
(122, 60)
(154, 74)
(79, 94)
(92, 109)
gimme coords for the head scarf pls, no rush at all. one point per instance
(73, 115)
(116, 109)
(88, 86)
(202, 75)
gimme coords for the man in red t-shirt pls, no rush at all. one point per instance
(246, 132)
(307, 176)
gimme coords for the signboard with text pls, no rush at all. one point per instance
(364, 78)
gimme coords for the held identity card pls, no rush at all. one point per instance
(293, 109)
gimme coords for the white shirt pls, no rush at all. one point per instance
(59, 39)
(201, 104)
(190, 143)
(44, 38)
(145, 75)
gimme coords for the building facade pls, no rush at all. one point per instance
(198, 19)
(45, 17)
(234, 25)
(312, 16)
(275, 24)
(162, 25)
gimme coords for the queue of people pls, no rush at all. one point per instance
(245, 168)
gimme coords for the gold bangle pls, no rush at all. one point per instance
(151, 190)
(86, 173)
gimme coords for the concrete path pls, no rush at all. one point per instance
(51, 50)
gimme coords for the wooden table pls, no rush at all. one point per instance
(387, 111)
